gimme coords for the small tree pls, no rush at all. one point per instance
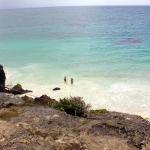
(73, 106)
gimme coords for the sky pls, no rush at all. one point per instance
(46, 3)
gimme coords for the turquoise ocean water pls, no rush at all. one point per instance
(105, 49)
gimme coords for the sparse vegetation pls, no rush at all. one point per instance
(98, 111)
(28, 100)
(9, 113)
(83, 122)
(74, 106)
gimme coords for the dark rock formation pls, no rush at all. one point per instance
(45, 100)
(2, 79)
(56, 89)
(17, 89)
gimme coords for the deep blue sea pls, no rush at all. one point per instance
(105, 49)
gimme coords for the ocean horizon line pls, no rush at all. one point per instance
(39, 7)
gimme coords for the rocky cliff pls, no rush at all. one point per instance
(26, 126)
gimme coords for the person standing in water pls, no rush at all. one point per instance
(72, 81)
(65, 80)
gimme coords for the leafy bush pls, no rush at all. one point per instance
(73, 106)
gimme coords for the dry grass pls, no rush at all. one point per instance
(146, 146)
(9, 113)
(98, 111)
(84, 122)
(105, 143)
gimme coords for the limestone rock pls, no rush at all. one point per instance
(17, 89)
(44, 128)
(7, 100)
(45, 100)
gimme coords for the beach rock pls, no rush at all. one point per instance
(2, 79)
(45, 100)
(17, 89)
(56, 89)
(7, 100)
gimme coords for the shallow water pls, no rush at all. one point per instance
(105, 49)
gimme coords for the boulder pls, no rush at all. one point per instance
(45, 100)
(56, 89)
(2, 79)
(7, 100)
(17, 89)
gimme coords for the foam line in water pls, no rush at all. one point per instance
(130, 96)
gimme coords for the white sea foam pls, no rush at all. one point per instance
(129, 96)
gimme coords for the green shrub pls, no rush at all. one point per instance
(73, 106)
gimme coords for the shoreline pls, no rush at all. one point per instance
(120, 96)
(69, 91)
